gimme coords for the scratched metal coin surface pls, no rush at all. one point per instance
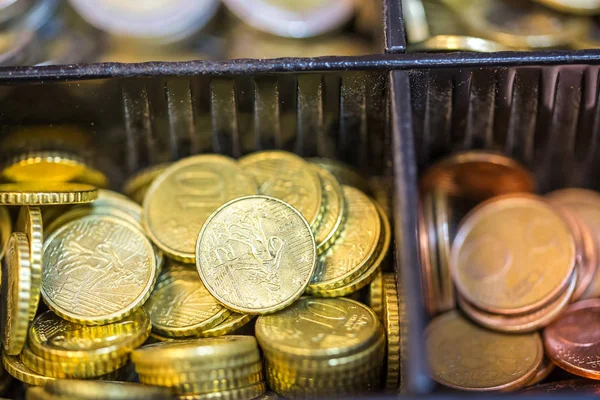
(464, 356)
(287, 177)
(512, 254)
(29, 221)
(314, 327)
(97, 269)
(335, 210)
(573, 341)
(180, 305)
(180, 200)
(256, 254)
(585, 204)
(351, 254)
(54, 338)
(16, 293)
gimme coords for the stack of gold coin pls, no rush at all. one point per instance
(62, 389)
(222, 367)
(322, 347)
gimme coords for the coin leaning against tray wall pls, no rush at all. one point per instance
(171, 290)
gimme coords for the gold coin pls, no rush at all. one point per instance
(44, 166)
(232, 323)
(54, 338)
(108, 198)
(180, 305)
(70, 369)
(218, 352)
(345, 174)
(512, 254)
(97, 269)
(374, 267)
(92, 177)
(308, 388)
(104, 390)
(314, 327)
(5, 229)
(353, 252)
(375, 296)
(180, 200)
(443, 43)
(142, 180)
(46, 193)
(174, 374)
(322, 380)
(391, 323)
(287, 177)
(466, 357)
(246, 393)
(16, 293)
(335, 211)
(256, 254)
(29, 221)
(189, 384)
(15, 367)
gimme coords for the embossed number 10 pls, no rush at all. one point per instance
(199, 189)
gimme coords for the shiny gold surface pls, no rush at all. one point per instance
(391, 323)
(29, 221)
(46, 193)
(5, 229)
(233, 322)
(15, 367)
(97, 269)
(335, 210)
(44, 166)
(104, 390)
(181, 199)
(375, 296)
(344, 173)
(256, 254)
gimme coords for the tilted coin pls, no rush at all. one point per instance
(333, 218)
(43, 166)
(104, 390)
(375, 297)
(5, 229)
(54, 338)
(478, 175)
(580, 7)
(246, 393)
(46, 193)
(181, 199)
(430, 235)
(137, 185)
(287, 177)
(572, 341)
(465, 356)
(16, 293)
(256, 254)
(180, 305)
(391, 323)
(429, 280)
(29, 221)
(15, 367)
(352, 253)
(233, 322)
(344, 173)
(97, 269)
(442, 216)
(512, 254)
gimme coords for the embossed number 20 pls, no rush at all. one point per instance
(199, 189)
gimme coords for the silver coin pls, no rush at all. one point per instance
(293, 18)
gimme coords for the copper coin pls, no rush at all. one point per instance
(585, 204)
(427, 280)
(442, 215)
(543, 371)
(465, 356)
(580, 386)
(479, 175)
(429, 218)
(512, 254)
(527, 322)
(573, 340)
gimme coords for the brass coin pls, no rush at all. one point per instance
(142, 180)
(43, 166)
(180, 305)
(15, 367)
(352, 253)
(543, 371)
(232, 323)
(97, 269)
(375, 296)
(246, 393)
(428, 279)
(5, 229)
(391, 323)
(287, 177)
(53, 338)
(579, 7)
(46, 193)
(345, 174)
(333, 218)
(188, 384)
(104, 390)
(16, 293)
(314, 327)
(176, 374)
(466, 357)
(477, 175)
(181, 199)
(512, 254)
(256, 254)
(29, 221)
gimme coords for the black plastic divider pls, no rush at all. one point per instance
(394, 33)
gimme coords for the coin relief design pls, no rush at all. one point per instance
(97, 269)
(256, 254)
(180, 200)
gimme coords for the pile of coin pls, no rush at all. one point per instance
(216, 242)
(514, 263)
